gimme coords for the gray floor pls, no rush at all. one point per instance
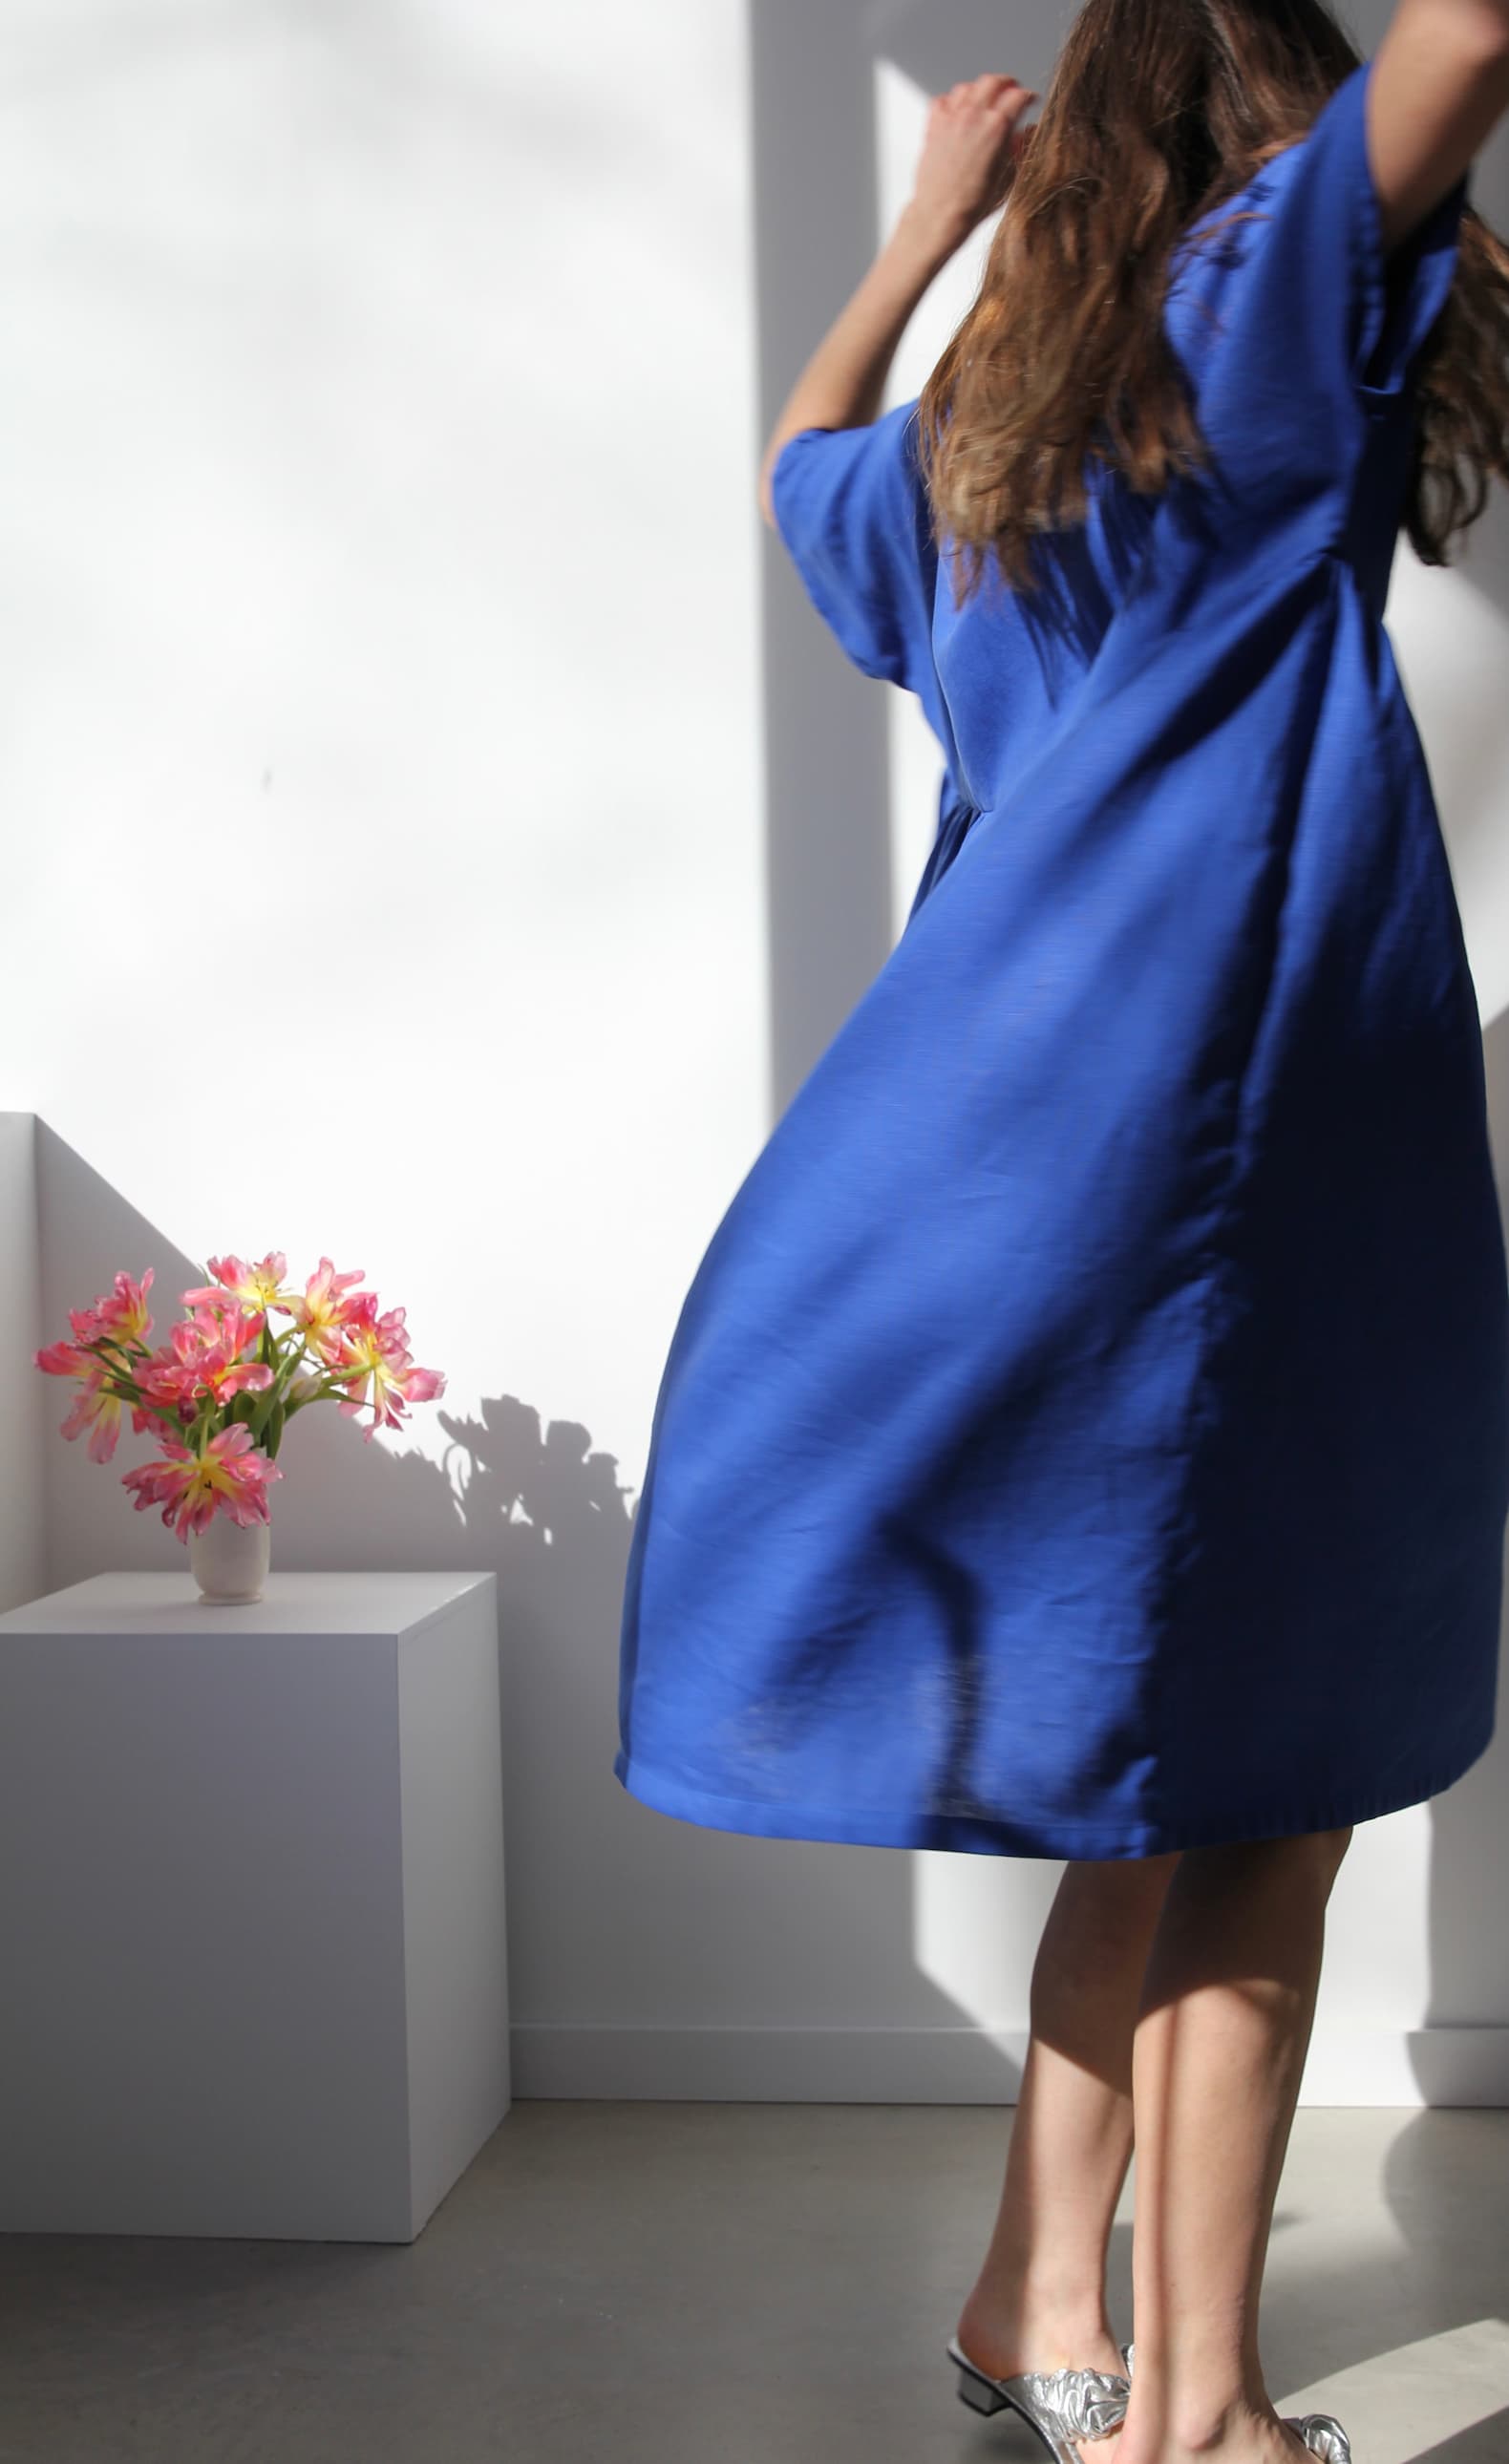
(766, 2284)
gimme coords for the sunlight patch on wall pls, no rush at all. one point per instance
(1377, 1970)
(975, 1925)
(1450, 630)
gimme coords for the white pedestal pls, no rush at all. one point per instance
(252, 1926)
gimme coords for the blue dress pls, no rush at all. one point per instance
(1086, 1433)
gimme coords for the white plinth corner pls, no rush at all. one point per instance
(251, 1916)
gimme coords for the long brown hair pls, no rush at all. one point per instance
(1157, 110)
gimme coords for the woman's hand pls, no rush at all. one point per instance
(968, 163)
(969, 156)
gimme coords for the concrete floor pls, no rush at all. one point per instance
(731, 2284)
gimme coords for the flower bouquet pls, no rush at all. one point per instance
(220, 1392)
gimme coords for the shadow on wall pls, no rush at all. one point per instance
(646, 1957)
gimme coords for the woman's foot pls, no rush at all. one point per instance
(1004, 2340)
(1250, 2434)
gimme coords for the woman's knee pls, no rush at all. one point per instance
(1311, 1860)
(1305, 1856)
(1113, 1893)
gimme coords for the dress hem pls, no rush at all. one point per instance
(974, 1834)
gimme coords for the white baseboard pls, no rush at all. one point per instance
(1362, 2066)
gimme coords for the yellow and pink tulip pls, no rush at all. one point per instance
(220, 1392)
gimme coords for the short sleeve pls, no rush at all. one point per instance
(1326, 312)
(1297, 331)
(1392, 300)
(851, 509)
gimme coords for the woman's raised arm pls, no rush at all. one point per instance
(968, 159)
(1439, 83)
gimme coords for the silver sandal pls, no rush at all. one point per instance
(1063, 2406)
(1322, 2433)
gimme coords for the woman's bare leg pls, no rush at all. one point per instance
(1227, 2011)
(1039, 2299)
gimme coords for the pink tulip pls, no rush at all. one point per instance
(203, 1357)
(228, 1474)
(168, 1386)
(97, 1410)
(212, 1345)
(374, 1352)
(65, 1360)
(260, 1286)
(326, 1307)
(122, 1313)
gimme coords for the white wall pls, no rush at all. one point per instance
(441, 834)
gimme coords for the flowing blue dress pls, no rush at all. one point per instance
(1086, 1433)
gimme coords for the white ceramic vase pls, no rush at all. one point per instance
(229, 1560)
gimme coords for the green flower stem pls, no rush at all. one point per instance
(119, 1380)
(118, 1383)
(287, 1354)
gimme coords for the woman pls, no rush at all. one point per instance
(1087, 1432)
